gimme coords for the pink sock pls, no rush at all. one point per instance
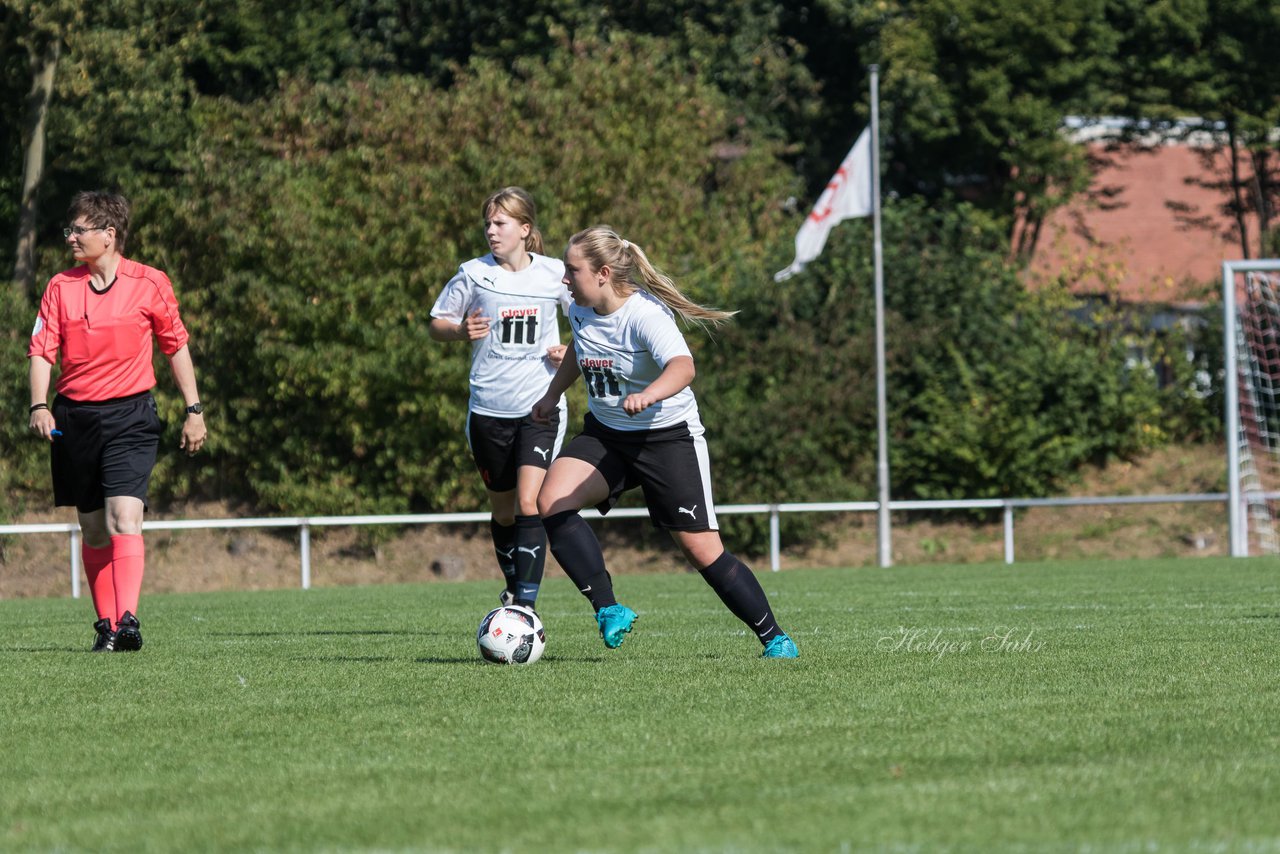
(97, 568)
(128, 557)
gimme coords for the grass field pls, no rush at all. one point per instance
(1128, 706)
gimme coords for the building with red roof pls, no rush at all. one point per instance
(1154, 227)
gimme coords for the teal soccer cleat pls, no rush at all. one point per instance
(780, 647)
(615, 621)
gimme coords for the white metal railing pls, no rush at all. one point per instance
(304, 524)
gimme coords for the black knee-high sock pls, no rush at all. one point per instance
(578, 551)
(531, 558)
(740, 590)
(504, 547)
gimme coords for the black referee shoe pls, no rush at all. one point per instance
(128, 638)
(106, 639)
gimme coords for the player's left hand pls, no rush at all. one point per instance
(555, 354)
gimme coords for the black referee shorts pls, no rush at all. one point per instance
(107, 449)
(670, 465)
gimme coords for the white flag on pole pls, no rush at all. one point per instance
(848, 195)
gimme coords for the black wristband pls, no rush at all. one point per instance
(36, 406)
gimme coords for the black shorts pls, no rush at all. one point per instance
(501, 445)
(107, 449)
(670, 465)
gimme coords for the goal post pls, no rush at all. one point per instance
(1251, 380)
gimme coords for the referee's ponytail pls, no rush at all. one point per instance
(517, 204)
(631, 268)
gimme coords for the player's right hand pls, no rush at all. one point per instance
(475, 327)
(42, 424)
(543, 409)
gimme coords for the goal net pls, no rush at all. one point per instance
(1251, 300)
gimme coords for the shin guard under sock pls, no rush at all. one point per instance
(504, 548)
(740, 590)
(128, 559)
(578, 551)
(531, 558)
(97, 568)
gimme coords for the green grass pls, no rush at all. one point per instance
(1134, 709)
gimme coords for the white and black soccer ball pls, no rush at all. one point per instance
(511, 634)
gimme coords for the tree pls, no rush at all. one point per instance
(1213, 61)
(975, 94)
(315, 228)
(309, 173)
(35, 29)
(117, 114)
(743, 47)
(992, 391)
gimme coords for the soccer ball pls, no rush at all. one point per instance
(511, 634)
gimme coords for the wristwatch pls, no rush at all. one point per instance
(195, 408)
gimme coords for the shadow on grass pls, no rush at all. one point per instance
(347, 659)
(320, 633)
(476, 660)
(71, 649)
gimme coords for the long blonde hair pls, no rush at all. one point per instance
(517, 204)
(601, 246)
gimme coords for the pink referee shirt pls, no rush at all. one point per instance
(105, 338)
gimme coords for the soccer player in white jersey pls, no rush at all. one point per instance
(642, 429)
(507, 304)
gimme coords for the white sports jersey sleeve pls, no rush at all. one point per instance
(452, 302)
(657, 332)
(509, 366)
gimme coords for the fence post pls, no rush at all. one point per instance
(1008, 532)
(305, 542)
(75, 563)
(775, 539)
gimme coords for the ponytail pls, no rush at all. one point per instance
(632, 270)
(533, 242)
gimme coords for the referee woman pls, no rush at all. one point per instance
(642, 429)
(97, 323)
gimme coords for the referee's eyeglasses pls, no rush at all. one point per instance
(78, 230)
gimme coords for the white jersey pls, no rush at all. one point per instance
(622, 353)
(509, 366)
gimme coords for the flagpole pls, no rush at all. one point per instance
(882, 430)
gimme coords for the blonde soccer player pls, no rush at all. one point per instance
(507, 304)
(642, 429)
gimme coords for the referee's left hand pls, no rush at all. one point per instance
(193, 434)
